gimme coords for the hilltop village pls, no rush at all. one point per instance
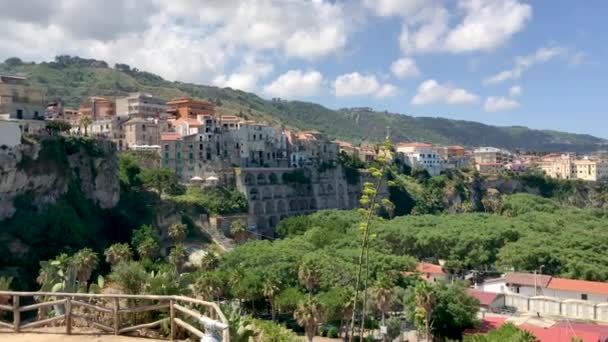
(281, 172)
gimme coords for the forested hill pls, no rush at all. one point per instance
(73, 78)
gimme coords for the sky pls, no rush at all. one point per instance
(538, 63)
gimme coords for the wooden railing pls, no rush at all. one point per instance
(211, 319)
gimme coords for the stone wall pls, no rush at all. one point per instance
(551, 306)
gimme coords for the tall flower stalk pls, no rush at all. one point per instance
(369, 207)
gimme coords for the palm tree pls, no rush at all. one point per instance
(86, 121)
(210, 261)
(148, 248)
(238, 230)
(85, 261)
(270, 290)
(178, 256)
(208, 286)
(308, 315)
(426, 299)
(308, 276)
(118, 253)
(177, 232)
(383, 295)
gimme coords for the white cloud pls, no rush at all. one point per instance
(522, 63)
(405, 68)
(247, 76)
(430, 91)
(296, 84)
(356, 84)
(187, 40)
(480, 25)
(487, 24)
(515, 91)
(495, 104)
(388, 8)
(386, 91)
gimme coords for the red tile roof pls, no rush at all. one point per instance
(527, 279)
(484, 298)
(425, 267)
(560, 332)
(595, 287)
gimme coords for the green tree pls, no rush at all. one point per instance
(130, 276)
(146, 242)
(57, 126)
(128, 171)
(209, 286)
(85, 261)
(162, 180)
(178, 232)
(309, 314)
(238, 230)
(118, 253)
(507, 332)
(288, 299)
(178, 256)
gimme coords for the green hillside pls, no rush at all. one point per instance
(73, 78)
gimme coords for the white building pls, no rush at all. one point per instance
(422, 155)
(530, 285)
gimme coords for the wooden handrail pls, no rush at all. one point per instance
(215, 321)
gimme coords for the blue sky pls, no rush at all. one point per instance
(507, 62)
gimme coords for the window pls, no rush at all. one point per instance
(584, 296)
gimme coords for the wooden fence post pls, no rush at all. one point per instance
(16, 314)
(68, 315)
(115, 312)
(172, 318)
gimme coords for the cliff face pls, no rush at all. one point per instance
(482, 193)
(42, 170)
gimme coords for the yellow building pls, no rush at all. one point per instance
(590, 170)
(21, 100)
(558, 166)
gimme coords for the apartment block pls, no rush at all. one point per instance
(421, 155)
(97, 107)
(141, 104)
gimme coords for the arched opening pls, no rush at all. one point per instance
(258, 208)
(261, 179)
(273, 179)
(253, 194)
(249, 180)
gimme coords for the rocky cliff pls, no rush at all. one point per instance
(41, 170)
(466, 192)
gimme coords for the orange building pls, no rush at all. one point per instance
(455, 151)
(97, 107)
(185, 107)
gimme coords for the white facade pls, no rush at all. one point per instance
(500, 286)
(422, 155)
(10, 133)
